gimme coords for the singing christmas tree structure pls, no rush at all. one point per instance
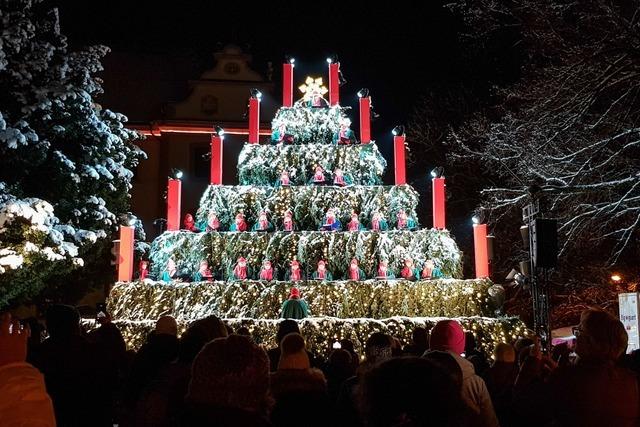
(318, 219)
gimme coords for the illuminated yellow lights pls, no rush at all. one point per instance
(312, 87)
(616, 278)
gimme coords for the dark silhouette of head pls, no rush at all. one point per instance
(230, 372)
(62, 321)
(286, 327)
(197, 335)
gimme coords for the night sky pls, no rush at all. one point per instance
(378, 48)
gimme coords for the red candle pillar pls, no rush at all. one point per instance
(125, 255)
(399, 159)
(334, 83)
(254, 119)
(216, 159)
(287, 84)
(481, 250)
(174, 190)
(438, 185)
(365, 119)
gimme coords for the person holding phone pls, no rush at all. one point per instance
(24, 396)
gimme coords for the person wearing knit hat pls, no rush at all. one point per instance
(166, 325)
(295, 307)
(448, 335)
(295, 385)
(229, 384)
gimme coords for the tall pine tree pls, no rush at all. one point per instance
(65, 163)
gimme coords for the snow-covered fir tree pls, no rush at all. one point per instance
(65, 162)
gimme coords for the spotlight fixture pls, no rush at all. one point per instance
(255, 93)
(218, 130)
(398, 130)
(363, 93)
(132, 219)
(518, 278)
(332, 59)
(176, 173)
(290, 59)
(437, 172)
(616, 278)
(478, 216)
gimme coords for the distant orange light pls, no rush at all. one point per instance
(616, 278)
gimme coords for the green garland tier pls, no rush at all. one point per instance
(320, 333)
(222, 250)
(343, 299)
(309, 204)
(309, 125)
(263, 164)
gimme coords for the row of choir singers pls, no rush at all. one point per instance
(330, 222)
(241, 271)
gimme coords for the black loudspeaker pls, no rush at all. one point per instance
(545, 243)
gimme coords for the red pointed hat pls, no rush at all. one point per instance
(242, 259)
(295, 293)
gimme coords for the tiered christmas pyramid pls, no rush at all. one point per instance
(313, 168)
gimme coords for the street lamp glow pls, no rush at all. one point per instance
(616, 278)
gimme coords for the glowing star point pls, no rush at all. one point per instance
(312, 87)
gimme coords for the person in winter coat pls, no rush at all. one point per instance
(24, 401)
(594, 391)
(229, 385)
(295, 307)
(447, 335)
(300, 392)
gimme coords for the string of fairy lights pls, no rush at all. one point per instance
(343, 299)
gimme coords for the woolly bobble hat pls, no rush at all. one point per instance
(447, 335)
(230, 372)
(293, 353)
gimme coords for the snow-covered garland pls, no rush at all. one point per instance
(343, 299)
(309, 204)
(309, 125)
(222, 250)
(320, 333)
(263, 164)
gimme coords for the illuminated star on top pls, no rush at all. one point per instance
(312, 87)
